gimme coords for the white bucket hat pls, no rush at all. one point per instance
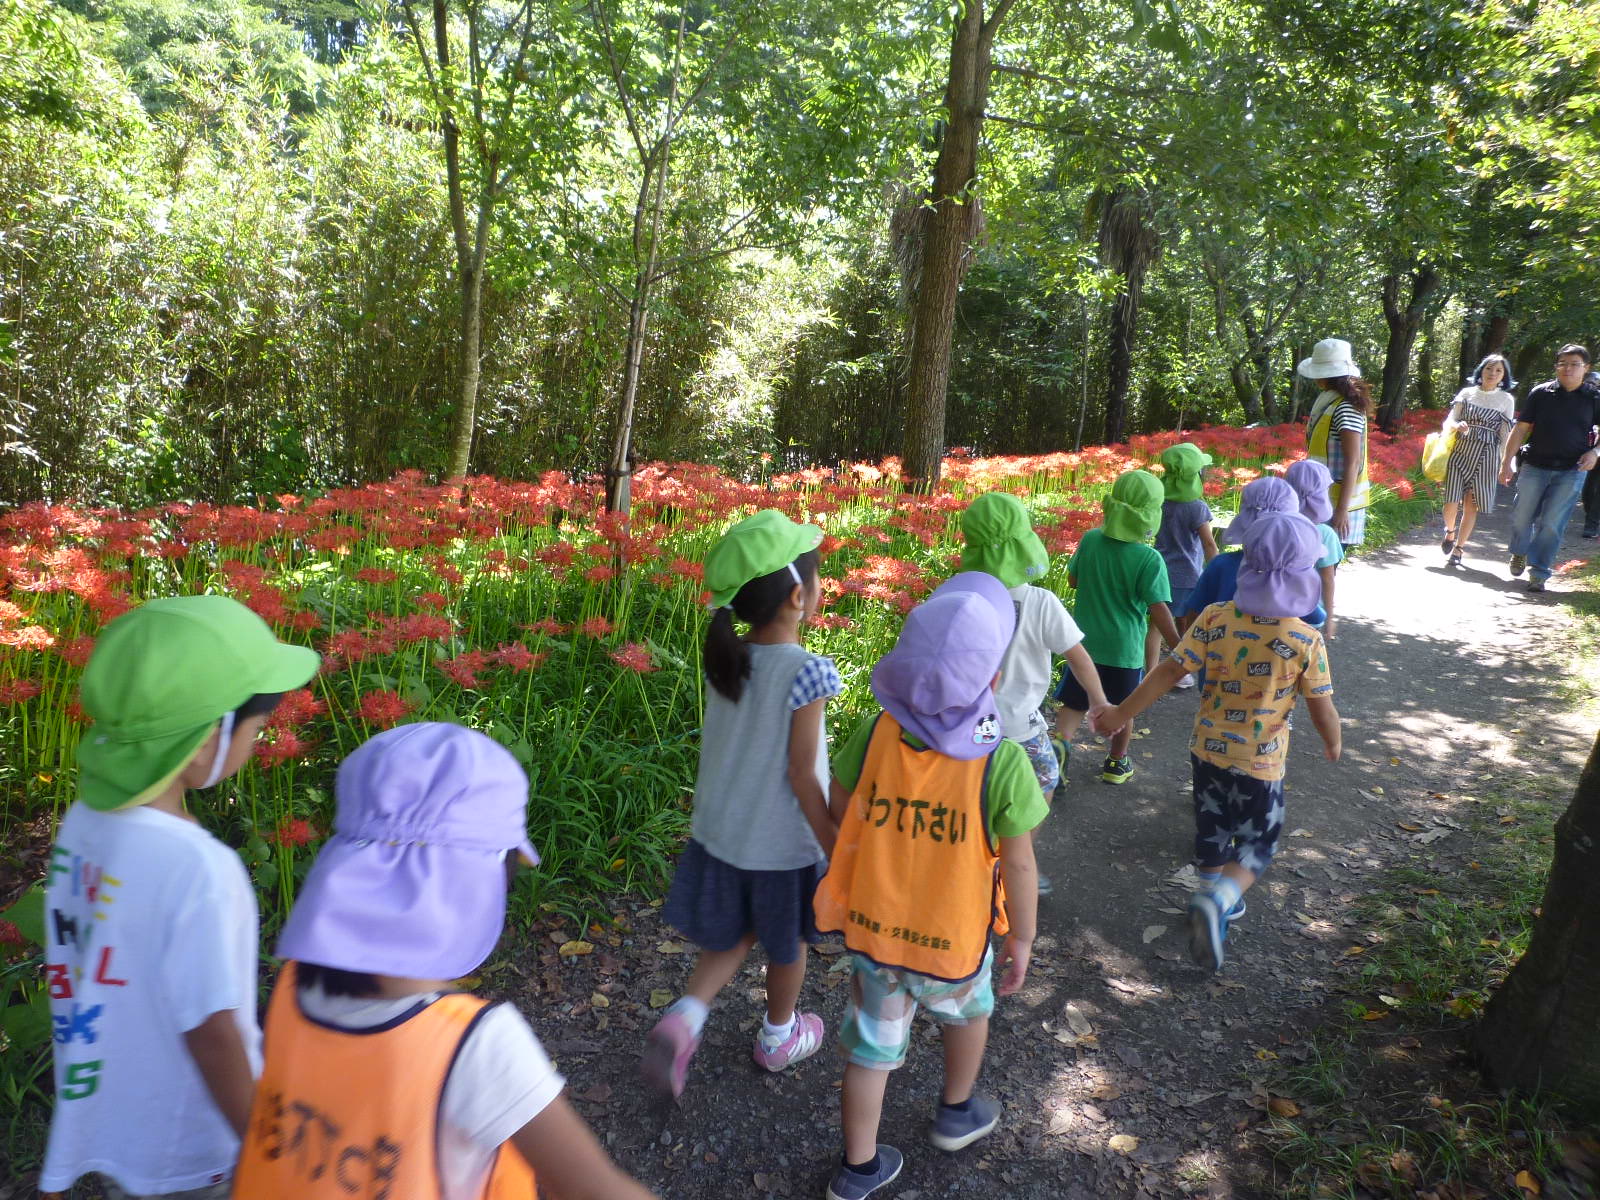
(1329, 359)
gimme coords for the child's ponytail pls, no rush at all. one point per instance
(726, 656)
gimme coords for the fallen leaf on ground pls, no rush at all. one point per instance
(1409, 827)
(660, 998)
(670, 947)
(1126, 1143)
(1076, 1020)
(1528, 1183)
(1302, 832)
(1152, 932)
(1373, 1014)
(1282, 1106)
(599, 1000)
(575, 948)
(1404, 1164)
(598, 1094)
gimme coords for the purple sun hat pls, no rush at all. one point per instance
(936, 681)
(1311, 481)
(413, 880)
(1269, 494)
(1278, 577)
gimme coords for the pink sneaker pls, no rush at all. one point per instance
(804, 1041)
(667, 1051)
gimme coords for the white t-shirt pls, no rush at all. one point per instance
(500, 1081)
(150, 928)
(1044, 627)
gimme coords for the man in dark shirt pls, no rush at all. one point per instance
(1560, 422)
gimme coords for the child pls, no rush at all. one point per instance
(381, 1078)
(936, 809)
(1311, 482)
(1184, 539)
(761, 830)
(1121, 586)
(1257, 658)
(153, 935)
(1001, 542)
(1217, 582)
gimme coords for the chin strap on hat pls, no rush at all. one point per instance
(224, 741)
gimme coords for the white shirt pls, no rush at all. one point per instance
(1044, 627)
(500, 1081)
(150, 928)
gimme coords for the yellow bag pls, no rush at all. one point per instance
(1436, 454)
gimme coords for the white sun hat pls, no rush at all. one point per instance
(1329, 358)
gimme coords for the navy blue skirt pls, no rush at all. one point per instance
(715, 905)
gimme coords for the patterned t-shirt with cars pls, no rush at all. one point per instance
(1255, 666)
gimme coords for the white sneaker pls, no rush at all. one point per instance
(1185, 683)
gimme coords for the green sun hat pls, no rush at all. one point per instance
(1184, 464)
(159, 680)
(1001, 541)
(753, 547)
(1133, 509)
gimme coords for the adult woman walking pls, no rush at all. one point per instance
(1482, 414)
(1336, 435)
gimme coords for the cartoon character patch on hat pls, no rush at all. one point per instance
(987, 731)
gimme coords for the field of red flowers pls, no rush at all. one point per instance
(569, 635)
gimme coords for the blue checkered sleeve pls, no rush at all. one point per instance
(817, 680)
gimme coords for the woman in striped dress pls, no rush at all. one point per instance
(1482, 415)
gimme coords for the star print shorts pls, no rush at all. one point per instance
(1237, 817)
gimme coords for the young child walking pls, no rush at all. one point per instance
(1001, 542)
(382, 1077)
(1121, 586)
(761, 833)
(152, 948)
(1259, 498)
(1184, 539)
(1258, 656)
(934, 852)
(1312, 484)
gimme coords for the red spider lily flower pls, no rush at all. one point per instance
(76, 651)
(434, 600)
(28, 637)
(10, 612)
(296, 708)
(377, 575)
(596, 627)
(75, 713)
(463, 668)
(832, 621)
(600, 574)
(557, 554)
(383, 708)
(518, 657)
(349, 646)
(284, 745)
(635, 657)
(292, 831)
(548, 627)
(303, 620)
(10, 935)
(441, 567)
(15, 691)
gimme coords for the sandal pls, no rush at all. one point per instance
(1455, 559)
(1449, 542)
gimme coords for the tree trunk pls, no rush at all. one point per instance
(1128, 245)
(1471, 345)
(1269, 394)
(1404, 321)
(1494, 337)
(947, 232)
(1245, 391)
(1541, 1030)
(1427, 397)
(1119, 372)
(469, 371)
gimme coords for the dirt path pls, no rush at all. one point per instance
(1445, 679)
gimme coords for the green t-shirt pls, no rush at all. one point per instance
(1016, 804)
(1117, 584)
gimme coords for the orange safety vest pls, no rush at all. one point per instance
(341, 1113)
(914, 882)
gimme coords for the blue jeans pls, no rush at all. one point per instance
(1545, 500)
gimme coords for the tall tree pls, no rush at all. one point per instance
(477, 60)
(1129, 245)
(950, 216)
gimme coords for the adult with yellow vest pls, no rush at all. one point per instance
(935, 810)
(1336, 435)
(381, 1078)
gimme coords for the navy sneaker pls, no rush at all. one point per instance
(955, 1129)
(1208, 931)
(852, 1185)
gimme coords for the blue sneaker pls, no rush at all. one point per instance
(852, 1185)
(955, 1129)
(1208, 930)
